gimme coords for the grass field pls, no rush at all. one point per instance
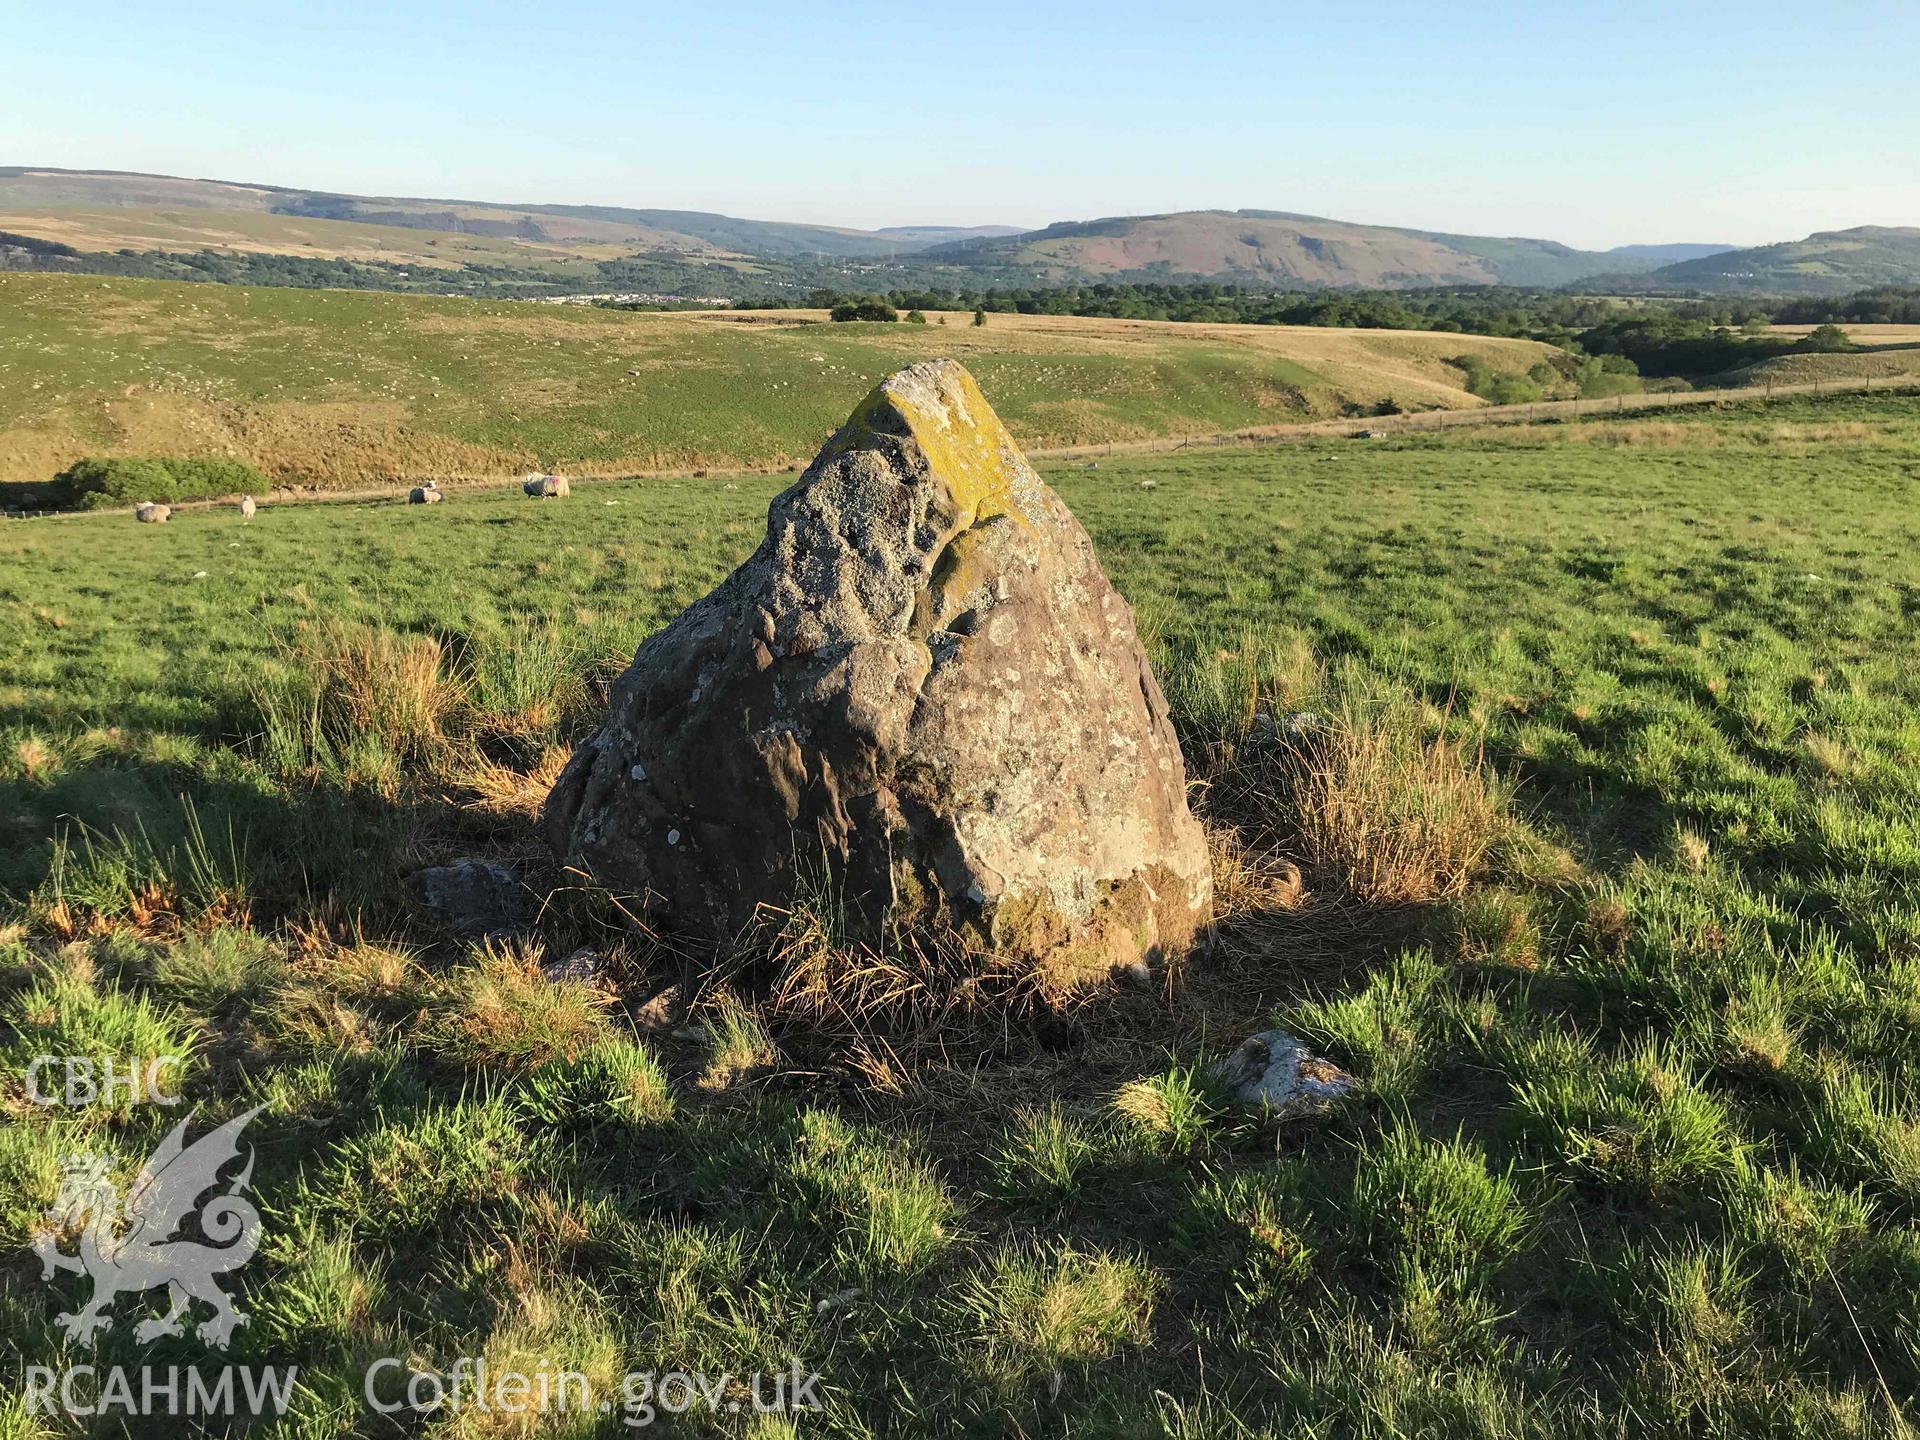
(1892, 363)
(1866, 336)
(1886, 352)
(333, 389)
(1630, 971)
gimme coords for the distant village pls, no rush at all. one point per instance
(620, 298)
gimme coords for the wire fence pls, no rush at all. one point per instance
(1541, 411)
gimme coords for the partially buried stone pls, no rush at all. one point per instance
(1276, 1071)
(475, 898)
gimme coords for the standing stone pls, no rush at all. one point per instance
(921, 695)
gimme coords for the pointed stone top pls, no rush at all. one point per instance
(939, 407)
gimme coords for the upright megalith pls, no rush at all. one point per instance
(921, 696)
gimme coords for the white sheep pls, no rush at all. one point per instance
(546, 487)
(247, 507)
(148, 513)
(427, 494)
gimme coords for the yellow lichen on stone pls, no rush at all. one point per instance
(968, 450)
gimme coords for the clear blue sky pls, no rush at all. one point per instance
(1596, 124)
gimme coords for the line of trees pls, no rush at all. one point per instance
(1551, 316)
(1883, 305)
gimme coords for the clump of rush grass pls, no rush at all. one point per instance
(502, 1010)
(1861, 1126)
(407, 1173)
(329, 1292)
(1037, 1310)
(1251, 1228)
(738, 1043)
(354, 698)
(71, 1006)
(1183, 1110)
(911, 987)
(886, 1206)
(207, 971)
(1387, 1033)
(98, 882)
(1433, 1205)
(1640, 1122)
(1799, 1224)
(1698, 1306)
(1385, 812)
(1046, 1154)
(525, 681)
(352, 998)
(615, 1080)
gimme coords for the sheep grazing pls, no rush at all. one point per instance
(247, 507)
(546, 487)
(427, 494)
(148, 513)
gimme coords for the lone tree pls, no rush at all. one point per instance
(1825, 340)
(979, 317)
(871, 309)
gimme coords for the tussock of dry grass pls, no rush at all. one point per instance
(353, 692)
(383, 684)
(509, 793)
(502, 1010)
(917, 986)
(1392, 817)
(1372, 805)
(1040, 1310)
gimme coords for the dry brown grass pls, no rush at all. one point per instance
(914, 989)
(1832, 758)
(38, 761)
(508, 793)
(373, 682)
(1383, 811)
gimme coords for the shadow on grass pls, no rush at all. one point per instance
(113, 817)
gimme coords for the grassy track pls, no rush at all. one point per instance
(334, 389)
(1639, 1147)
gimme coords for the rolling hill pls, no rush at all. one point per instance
(1669, 254)
(25, 190)
(339, 388)
(704, 253)
(1269, 247)
(1829, 262)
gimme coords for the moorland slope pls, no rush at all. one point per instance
(338, 388)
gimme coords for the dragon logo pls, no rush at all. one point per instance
(132, 1249)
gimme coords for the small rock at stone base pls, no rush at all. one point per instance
(1276, 1071)
(582, 967)
(474, 898)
